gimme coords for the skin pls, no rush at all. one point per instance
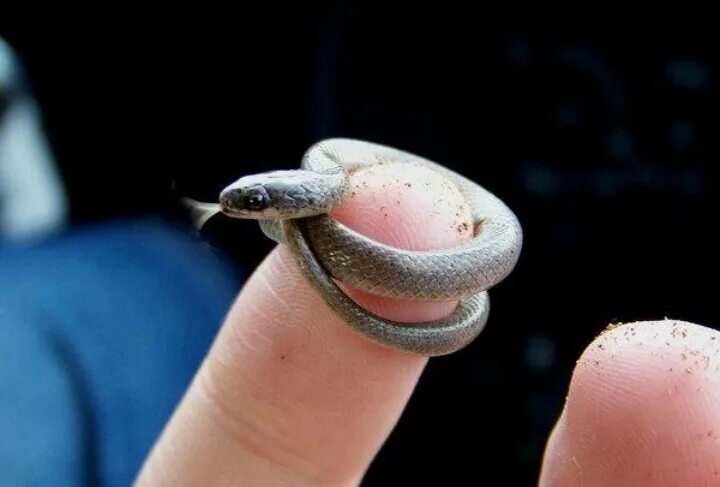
(271, 402)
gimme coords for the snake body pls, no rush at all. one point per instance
(292, 208)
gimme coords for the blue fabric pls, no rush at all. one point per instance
(100, 334)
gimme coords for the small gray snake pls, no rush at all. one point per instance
(292, 208)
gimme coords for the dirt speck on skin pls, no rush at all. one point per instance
(610, 327)
(676, 330)
(463, 227)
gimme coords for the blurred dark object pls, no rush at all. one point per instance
(602, 141)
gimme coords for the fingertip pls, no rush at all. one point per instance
(407, 206)
(642, 409)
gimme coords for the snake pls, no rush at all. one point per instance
(292, 208)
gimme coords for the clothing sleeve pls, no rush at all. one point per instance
(41, 434)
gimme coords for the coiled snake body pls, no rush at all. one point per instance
(292, 208)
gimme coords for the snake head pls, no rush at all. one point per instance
(274, 195)
(245, 199)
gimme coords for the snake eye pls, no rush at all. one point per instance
(255, 201)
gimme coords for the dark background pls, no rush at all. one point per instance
(602, 140)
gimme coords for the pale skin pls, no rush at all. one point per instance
(286, 383)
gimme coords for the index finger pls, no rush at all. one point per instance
(288, 393)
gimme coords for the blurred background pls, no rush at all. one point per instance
(601, 140)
